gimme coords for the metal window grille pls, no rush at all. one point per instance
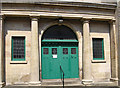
(45, 51)
(65, 50)
(54, 50)
(73, 50)
(98, 48)
(18, 48)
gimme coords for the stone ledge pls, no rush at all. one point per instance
(98, 61)
(18, 62)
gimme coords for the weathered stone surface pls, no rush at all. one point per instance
(18, 23)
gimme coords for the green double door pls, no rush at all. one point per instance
(59, 55)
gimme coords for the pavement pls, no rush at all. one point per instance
(61, 87)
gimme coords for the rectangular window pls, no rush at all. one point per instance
(65, 50)
(73, 50)
(18, 48)
(45, 51)
(54, 50)
(98, 49)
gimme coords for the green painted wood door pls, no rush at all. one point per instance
(55, 56)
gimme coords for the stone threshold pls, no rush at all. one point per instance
(59, 82)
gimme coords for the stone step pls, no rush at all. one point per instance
(60, 82)
(61, 87)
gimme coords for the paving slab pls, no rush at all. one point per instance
(61, 87)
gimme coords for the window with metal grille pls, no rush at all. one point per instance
(45, 51)
(98, 49)
(54, 50)
(18, 48)
(65, 50)
(73, 50)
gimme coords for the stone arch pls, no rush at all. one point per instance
(65, 23)
(59, 32)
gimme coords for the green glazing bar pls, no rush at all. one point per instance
(98, 58)
(18, 59)
(59, 41)
(103, 49)
(24, 48)
(12, 50)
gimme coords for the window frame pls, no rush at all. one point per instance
(18, 59)
(102, 49)
(56, 51)
(63, 51)
(74, 52)
(47, 52)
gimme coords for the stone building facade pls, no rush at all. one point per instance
(39, 40)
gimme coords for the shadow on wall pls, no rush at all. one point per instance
(17, 24)
(99, 27)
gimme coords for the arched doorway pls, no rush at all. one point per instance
(59, 48)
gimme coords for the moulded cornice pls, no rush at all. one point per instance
(65, 3)
(56, 15)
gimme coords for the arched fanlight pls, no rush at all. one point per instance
(61, 32)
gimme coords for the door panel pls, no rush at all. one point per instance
(50, 67)
(55, 56)
(65, 61)
(55, 69)
(74, 62)
(45, 62)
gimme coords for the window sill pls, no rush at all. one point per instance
(98, 61)
(18, 62)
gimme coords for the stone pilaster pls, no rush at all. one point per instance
(113, 47)
(87, 78)
(1, 51)
(34, 52)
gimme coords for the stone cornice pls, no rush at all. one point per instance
(63, 3)
(57, 15)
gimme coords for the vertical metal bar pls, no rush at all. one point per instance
(63, 79)
(63, 76)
